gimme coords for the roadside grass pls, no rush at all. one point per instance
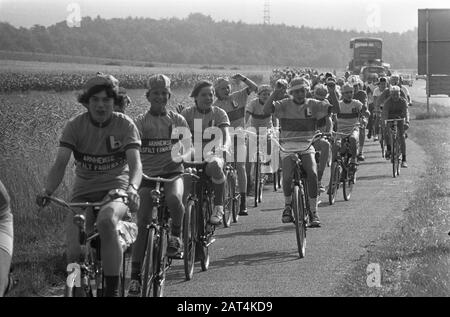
(415, 256)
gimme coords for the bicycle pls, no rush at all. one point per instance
(87, 274)
(201, 199)
(300, 202)
(340, 169)
(231, 199)
(156, 262)
(394, 137)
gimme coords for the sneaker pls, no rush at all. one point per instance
(287, 215)
(314, 217)
(243, 212)
(387, 156)
(375, 138)
(369, 135)
(134, 290)
(404, 165)
(175, 247)
(361, 157)
(217, 216)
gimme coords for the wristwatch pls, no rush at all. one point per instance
(133, 186)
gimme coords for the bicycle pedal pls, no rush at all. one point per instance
(210, 242)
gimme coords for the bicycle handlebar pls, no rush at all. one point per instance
(166, 180)
(107, 199)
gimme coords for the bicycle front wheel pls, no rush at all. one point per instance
(394, 161)
(189, 239)
(334, 182)
(299, 210)
(149, 264)
(347, 185)
(228, 201)
(161, 264)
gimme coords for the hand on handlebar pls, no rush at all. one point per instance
(42, 200)
(133, 199)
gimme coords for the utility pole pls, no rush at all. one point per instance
(266, 12)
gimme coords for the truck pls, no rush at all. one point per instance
(367, 57)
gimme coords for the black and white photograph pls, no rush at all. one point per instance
(224, 154)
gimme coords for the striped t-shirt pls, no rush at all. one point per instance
(234, 106)
(348, 116)
(299, 122)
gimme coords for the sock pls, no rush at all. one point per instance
(136, 271)
(112, 286)
(287, 200)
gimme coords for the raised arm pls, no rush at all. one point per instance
(250, 84)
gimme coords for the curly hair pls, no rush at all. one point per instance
(110, 92)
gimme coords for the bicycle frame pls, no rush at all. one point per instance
(87, 272)
(392, 126)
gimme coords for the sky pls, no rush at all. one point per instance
(360, 15)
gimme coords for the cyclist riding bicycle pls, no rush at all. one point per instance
(351, 112)
(6, 239)
(372, 81)
(105, 145)
(360, 95)
(395, 81)
(156, 128)
(206, 121)
(396, 108)
(322, 145)
(234, 105)
(255, 118)
(298, 119)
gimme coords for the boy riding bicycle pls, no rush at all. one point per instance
(298, 117)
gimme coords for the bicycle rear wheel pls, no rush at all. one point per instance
(161, 264)
(189, 239)
(148, 270)
(335, 179)
(299, 210)
(203, 243)
(257, 181)
(228, 201)
(125, 273)
(398, 158)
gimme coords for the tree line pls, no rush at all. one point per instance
(198, 39)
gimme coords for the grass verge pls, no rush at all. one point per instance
(414, 258)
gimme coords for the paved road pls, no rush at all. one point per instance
(258, 255)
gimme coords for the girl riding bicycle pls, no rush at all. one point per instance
(203, 119)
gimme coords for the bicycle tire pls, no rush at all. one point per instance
(347, 184)
(204, 249)
(298, 209)
(236, 198)
(125, 273)
(394, 158)
(335, 179)
(257, 176)
(148, 271)
(161, 264)
(228, 202)
(189, 239)
(382, 145)
(260, 188)
(398, 158)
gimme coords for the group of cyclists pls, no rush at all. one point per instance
(112, 151)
